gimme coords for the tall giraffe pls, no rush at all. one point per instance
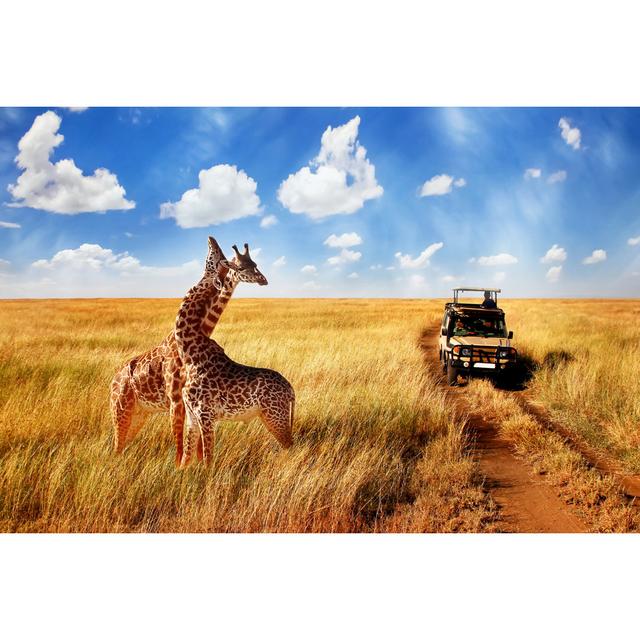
(217, 388)
(152, 382)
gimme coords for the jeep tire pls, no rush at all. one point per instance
(452, 374)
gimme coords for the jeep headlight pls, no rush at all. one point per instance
(465, 352)
(504, 353)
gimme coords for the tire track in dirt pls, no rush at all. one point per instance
(604, 464)
(527, 504)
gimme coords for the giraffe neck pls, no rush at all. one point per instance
(201, 309)
(218, 303)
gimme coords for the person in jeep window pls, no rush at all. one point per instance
(488, 302)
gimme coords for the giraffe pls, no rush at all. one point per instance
(152, 382)
(217, 388)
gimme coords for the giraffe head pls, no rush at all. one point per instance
(215, 258)
(245, 269)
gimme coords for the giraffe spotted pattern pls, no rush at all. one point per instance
(217, 388)
(152, 382)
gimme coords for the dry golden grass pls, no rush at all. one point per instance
(376, 448)
(586, 355)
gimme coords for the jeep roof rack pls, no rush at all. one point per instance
(494, 292)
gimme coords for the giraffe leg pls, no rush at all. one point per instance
(206, 440)
(191, 436)
(139, 417)
(177, 415)
(278, 419)
(123, 404)
(200, 450)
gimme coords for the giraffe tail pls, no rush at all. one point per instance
(292, 405)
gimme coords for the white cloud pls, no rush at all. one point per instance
(309, 268)
(268, 221)
(558, 176)
(9, 225)
(280, 262)
(223, 194)
(311, 284)
(375, 267)
(343, 179)
(555, 254)
(128, 234)
(407, 262)
(353, 276)
(60, 187)
(440, 185)
(553, 275)
(449, 278)
(416, 280)
(497, 260)
(532, 173)
(343, 241)
(77, 109)
(633, 241)
(597, 255)
(570, 135)
(255, 252)
(344, 257)
(4, 263)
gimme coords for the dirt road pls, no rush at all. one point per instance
(527, 504)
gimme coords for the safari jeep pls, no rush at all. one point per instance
(473, 338)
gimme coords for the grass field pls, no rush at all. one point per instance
(376, 447)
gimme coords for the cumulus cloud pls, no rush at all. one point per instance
(497, 260)
(60, 187)
(440, 185)
(558, 176)
(407, 262)
(553, 275)
(571, 135)
(77, 109)
(597, 255)
(309, 268)
(633, 241)
(96, 271)
(340, 178)
(4, 263)
(92, 257)
(532, 173)
(343, 241)
(268, 221)
(555, 254)
(223, 194)
(353, 276)
(280, 262)
(344, 257)
(9, 225)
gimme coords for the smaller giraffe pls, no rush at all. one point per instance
(217, 388)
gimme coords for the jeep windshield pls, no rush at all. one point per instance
(479, 326)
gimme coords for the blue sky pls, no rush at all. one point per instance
(333, 201)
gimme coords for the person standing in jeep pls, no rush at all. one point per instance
(488, 302)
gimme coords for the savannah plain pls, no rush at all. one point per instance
(381, 444)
